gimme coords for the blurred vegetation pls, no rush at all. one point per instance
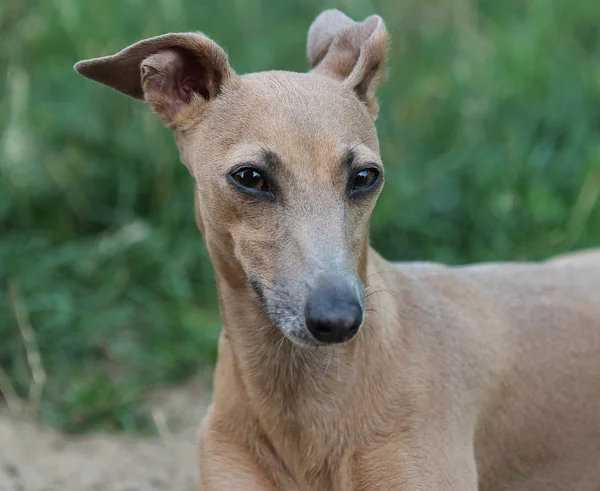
(490, 130)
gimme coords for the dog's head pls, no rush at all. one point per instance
(286, 165)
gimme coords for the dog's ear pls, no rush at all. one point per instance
(177, 74)
(352, 52)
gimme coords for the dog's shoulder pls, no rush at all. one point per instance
(590, 257)
(571, 278)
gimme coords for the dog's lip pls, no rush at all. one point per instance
(302, 343)
(309, 340)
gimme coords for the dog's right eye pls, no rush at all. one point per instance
(251, 179)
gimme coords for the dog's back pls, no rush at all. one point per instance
(539, 427)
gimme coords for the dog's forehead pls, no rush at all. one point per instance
(290, 109)
(302, 118)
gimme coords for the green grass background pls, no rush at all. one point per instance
(489, 128)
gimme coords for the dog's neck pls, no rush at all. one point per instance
(307, 394)
(274, 370)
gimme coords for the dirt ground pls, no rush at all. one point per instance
(40, 459)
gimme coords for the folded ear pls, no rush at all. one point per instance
(177, 74)
(352, 52)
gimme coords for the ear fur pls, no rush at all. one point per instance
(173, 73)
(353, 53)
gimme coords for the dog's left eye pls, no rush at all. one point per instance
(365, 178)
(251, 179)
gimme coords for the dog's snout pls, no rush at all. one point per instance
(333, 314)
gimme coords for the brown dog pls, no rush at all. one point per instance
(338, 370)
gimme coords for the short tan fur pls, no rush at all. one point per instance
(338, 370)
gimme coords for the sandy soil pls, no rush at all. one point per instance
(40, 459)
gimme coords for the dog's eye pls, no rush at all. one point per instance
(251, 179)
(365, 178)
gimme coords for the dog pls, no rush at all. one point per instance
(338, 370)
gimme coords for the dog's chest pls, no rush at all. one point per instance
(313, 461)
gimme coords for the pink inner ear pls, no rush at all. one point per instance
(173, 77)
(190, 84)
(195, 76)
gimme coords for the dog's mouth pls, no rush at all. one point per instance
(332, 312)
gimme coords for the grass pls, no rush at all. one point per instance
(489, 128)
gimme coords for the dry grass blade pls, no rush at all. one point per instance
(9, 394)
(34, 359)
(160, 422)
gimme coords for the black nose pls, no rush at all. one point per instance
(333, 314)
